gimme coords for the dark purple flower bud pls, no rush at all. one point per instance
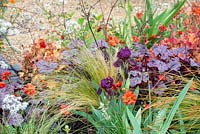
(124, 53)
(110, 92)
(107, 83)
(99, 91)
(118, 63)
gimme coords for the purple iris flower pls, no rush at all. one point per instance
(124, 53)
(107, 83)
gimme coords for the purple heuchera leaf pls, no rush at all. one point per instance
(76, 44)
(137, 77)
(124, 53)
(162, 51)
(141, 50)
(46, 67)
(145, 77)
(69, 53)
(182, 50)
(160, 65)
(174, 64)
(101, 44)
(15, 119)
(159, 90)
(193, 63)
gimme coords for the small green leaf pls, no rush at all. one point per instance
(99, 17)
(81, 21)
(128, 81)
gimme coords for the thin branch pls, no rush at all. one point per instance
(87, 15)
(63, 10)
(113, 6)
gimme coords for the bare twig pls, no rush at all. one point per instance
(19, 9)
(87, 15)
(113, 6)
(63, 10)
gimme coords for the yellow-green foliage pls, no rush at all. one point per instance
(83, 93)
(79, 90)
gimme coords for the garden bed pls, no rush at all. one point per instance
(119, 67)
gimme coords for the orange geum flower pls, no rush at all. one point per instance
(129, 98)
(193, 86)
(179, 32)
(153, 36)
(195, 9)
(2, 84)
(136, 39)
(161, 77)
(5, 75)
(146, 106)
(42, 43)
(12, 1)
(30, 89)
(162, 28)
(64, 109)
(139, 15)
(113, 41)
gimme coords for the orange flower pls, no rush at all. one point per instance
(179, 32)
(146, 106)
(117, 85)
(136, 39)
(2, 84)
(29, 89)
(5, 75)
(161, 77)
(62, 37)
(195, 9)
(129, 98)
(64, 109)
(113, 41)
(42, 43)
(193, 86)
(153, 36)
(139, 15)
(162, 28)
(12, 1)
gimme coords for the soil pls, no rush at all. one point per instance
(33, 23)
